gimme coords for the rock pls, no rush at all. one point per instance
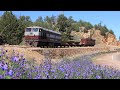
(98, 37)
(111, 39)
(108, 39)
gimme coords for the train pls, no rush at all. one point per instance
(41, 37)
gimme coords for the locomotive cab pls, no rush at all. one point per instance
(32, 36)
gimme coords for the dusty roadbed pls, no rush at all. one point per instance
(56, 54)
(108, 59)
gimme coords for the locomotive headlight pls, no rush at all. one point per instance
(31, 33)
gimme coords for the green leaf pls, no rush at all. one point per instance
(8, 77)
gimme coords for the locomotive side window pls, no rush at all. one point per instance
(52, 36)
(28, 29)
(58, 37)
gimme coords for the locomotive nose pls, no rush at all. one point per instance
(31, 33)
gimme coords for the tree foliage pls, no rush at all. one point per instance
(85, 24)
(65, 27)
(111, 31)
(12, 28)
(103, 29)
(39, 21)
(8, 25)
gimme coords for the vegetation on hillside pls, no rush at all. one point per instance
(12, 27)
(103, 29)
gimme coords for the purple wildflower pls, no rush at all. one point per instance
(1, 64)
(3, 52)
(52, 71)
(5, 67)
(18, 74)
(48, 67)
(21, 55)
(66, 76)
(37, 77)
(6, 50)
(15, 58)
(1, 76)
(1, 55)
(61, 69)
(46, 73)
(98, 77)
(10, 72)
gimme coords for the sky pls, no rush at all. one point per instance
(109, 18)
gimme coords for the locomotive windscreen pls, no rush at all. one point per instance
(31, 29)
(35, 29)
(28, 29)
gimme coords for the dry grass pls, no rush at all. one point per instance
(28, 54)
(56, 54)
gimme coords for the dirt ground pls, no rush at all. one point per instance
(111, 60)
(28, 53)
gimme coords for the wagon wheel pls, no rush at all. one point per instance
(31, 44)
(35, 44)
(51, 45)
(27, 44)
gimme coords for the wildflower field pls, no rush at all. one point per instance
(16, 66)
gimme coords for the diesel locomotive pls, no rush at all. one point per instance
(42, 37)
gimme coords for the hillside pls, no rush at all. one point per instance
(12, 29)
(108, 39)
